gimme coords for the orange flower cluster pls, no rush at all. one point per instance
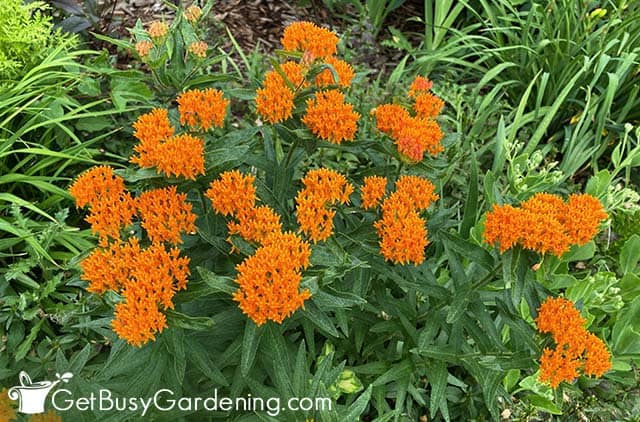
(274, 102)
(545, 223)
(413, 135)
(158, 29)
(203, 108)
(146, 278)
(112, 207)
(576, 348)
(198, 48)
(322, 187)
(193, 13)
(270, 279)
(143, 48)
(180, 156)
(7, 412)
(373, 191)
(234, 194)
(330, 118)
(165, 213)
(343, 70)
(307, 36)
(402, 232)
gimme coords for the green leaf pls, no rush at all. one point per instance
(630, 255)
(25, 346)
(357, 407)
(250, 343)
(543, 404)
(471, 208)
(217, 283)
(178, 319)
(437, 377)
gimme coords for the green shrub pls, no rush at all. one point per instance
(26, 37)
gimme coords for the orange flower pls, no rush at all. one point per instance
(503, 226)
(232, 193)
(294, 73)
(343, 70)
(204, 108)
(330, 118)
(193, 13)
(274, 102)
(307, 36)
(156, 275)
(158, 29)
(7, 412)
(322, 188)
(428, 105)
(112, 208)
(417, 136)
(165, 214)
(143, 48)
(269, 280)
(576, 348)
(137, 321)
(545, 223)
(186, 157)
(110, 268)
(420, 85)
(198, 48)
(597, 357)
(416, 192)
(583, 218)
(373, 191)
(96, 183)
(49, 416)
(556, 367)
(151, 129)
(256, 224)
(402, 233)
(390, 118)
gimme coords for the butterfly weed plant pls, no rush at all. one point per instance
(329, 244)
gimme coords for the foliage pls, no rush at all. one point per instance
(452, 334)
(26, 38)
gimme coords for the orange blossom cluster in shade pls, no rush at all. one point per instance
(111, 206)
(329, 117)
(373, 190)
(48, 416)
(323, 188)
(275, 100)
(413, 134)
(180, 156)
(576, 348)
(269, 280)
(402, 232)
(202, 108)
(545, 223)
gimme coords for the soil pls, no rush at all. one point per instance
(261, 22)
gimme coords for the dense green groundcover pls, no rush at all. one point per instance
(539, 96)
